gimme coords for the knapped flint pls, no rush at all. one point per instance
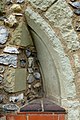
(75, 4)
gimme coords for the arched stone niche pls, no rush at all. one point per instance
(57, 72)
(51, 83)
(55, 64)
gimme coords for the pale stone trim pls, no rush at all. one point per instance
(62, 63)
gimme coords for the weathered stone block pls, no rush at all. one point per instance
(20, 80)
(21, 36)
(15, 80)
(3, 35)
(60, 17)
(42, 4)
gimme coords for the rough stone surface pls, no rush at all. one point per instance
(76, 61)
(34, 19)
(75, 4)
(7, 59)
(16, 8)
(64, 63)
(3, 35)
(9, 80)
(11, 50)
(42, 4)
(30, 78)
(72, 108)
(21, 36)
(10, 107)
(60, 16)
(11, 21)
(15, 80)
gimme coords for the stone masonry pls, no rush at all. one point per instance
(59, 16)
(50, 21)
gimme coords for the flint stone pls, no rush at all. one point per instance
(3, 35)
(11, 21)
(23, 63)
(9, 80)
(11, 50)
(20, 1)
(75, 4)
(7, 59)
(60, 16)
(16, 98)
(37, 75)
(10, 107)
(30, 61)
(30, 78)
(77, 11)
(28, 52)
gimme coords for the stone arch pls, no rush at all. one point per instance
(51, 83)
(41, 29)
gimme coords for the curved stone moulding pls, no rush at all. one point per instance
(44, 34)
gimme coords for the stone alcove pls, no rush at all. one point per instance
(51, 83)
(53, 58)
(54, 63)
